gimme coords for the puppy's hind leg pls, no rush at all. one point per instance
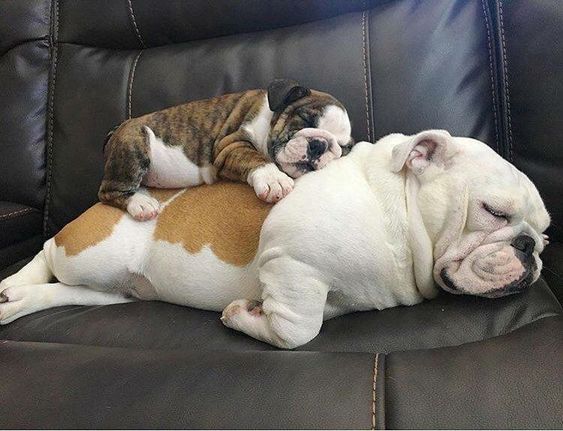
(127, 162)
(291, 313)
(21, 300)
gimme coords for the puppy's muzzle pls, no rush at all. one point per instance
(308, 150)
(316, 149)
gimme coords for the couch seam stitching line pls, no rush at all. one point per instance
(505, 79)
(365, 73)
(491, 73)
(373, 392)
(22, 211)
(137, 32)
(130, 86)
(51, 122)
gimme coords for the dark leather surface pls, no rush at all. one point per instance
(21, 232)
(180, 21)
(531, 36)
(22, 21)
(426, 73)
(504, 382)
(553, 268)
(23, 72)
(100, 388)
(12, 254)
(509, 382)
(18, 222)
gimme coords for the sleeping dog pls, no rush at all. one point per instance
(387, 225)
(246, 136)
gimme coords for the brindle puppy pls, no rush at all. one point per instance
(250, 136)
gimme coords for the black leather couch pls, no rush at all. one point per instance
(72, 69)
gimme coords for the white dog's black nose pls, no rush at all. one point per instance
(316, 148)
(524, 243)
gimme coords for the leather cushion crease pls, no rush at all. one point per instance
(73, 69)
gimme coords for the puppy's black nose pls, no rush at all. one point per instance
(316, 148)
(524, 243)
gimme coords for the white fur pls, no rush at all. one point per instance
(170, 168)
(142, 206)
(347, 238)
(335, 120)
(269, 183)
(259, 128)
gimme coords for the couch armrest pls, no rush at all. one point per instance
(20, 232)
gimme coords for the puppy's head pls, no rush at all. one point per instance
(309, 128)
(485, 218)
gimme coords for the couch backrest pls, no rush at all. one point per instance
(73, 69)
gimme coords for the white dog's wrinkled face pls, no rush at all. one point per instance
(485, 218)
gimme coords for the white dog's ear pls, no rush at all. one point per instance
(421, 150)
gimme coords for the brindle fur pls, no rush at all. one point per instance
(210, 133)
(206, 130)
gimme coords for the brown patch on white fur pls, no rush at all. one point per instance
(88, 229)
(162, 195)
(225, 216)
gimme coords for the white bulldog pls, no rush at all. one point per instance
(379, 228)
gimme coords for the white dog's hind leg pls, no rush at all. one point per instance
(291, 313)
(35, 272)
(19, 300)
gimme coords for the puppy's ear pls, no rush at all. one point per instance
(283, 92)
(420, 151)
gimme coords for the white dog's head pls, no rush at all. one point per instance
(482, 219)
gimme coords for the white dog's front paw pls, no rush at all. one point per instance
(143, 207)
(270, 184)
(239, 311)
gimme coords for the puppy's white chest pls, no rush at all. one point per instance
(259, 128)
(170, 168)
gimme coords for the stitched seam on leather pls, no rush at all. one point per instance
(15, 213)
(137, 32)
(492, 75)
(51, 121)
(505, 78)
(373, 392)
(364, 43)
(130, 86)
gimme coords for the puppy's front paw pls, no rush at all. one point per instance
(270, 184)
(143, 207)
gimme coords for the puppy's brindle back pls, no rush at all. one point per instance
(208, 132)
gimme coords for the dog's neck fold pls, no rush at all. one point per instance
(420, 243)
